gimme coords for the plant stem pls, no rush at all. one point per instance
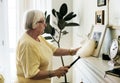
(59, 37)
(62, 61)
(61, 56)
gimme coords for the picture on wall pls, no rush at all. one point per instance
(101, 3)
(99, 17)
(97, 35)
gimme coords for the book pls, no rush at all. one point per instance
(114, 72)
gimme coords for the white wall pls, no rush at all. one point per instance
(86, 11)
(86, 18)
(114, 12)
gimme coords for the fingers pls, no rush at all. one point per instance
(62, 74)
(67, 66)
(65, 69)
(62, 71)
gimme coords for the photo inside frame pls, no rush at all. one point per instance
(101, 3)
(96, 37)
(98, 34)
(99, 17)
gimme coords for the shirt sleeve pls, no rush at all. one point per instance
(29, 61)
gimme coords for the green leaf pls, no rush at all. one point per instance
(48, 19)
(54, 12)
(53, 32)
(61, 24)
(69, 16)
(72, 24)
(48, 29)
(48, 37)
(63, 9)
(59, 15)
(45, 14)
(64, 32)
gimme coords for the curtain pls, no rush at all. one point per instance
(23, 5)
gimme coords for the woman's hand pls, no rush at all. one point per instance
(75, 50)
(61, 71)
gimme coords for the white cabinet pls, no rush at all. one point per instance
(92, 70)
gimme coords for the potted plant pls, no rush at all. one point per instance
(62, 20)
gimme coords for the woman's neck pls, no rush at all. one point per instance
(33, 34)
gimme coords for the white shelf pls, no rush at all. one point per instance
(115, 27)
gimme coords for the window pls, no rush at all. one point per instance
(12, 35)
(12, 23)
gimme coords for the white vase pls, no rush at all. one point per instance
(87, 48)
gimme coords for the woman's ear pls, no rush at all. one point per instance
(35, 25)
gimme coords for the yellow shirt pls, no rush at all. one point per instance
(1, 79)
(32, 57)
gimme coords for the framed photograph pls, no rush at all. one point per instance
(99, 17)
(101, 3)
(98, 34)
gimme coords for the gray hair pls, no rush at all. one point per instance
(31, 18)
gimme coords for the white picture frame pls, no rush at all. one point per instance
(98, 34)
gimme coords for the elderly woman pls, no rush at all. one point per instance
(34, 52)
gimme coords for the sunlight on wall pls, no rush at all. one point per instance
(12, 22)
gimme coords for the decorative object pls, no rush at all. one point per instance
(115, 52)
(113, 72)
(99, 17)
(98, 34)
(87, 49)
(101, 3)
(62, 20)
